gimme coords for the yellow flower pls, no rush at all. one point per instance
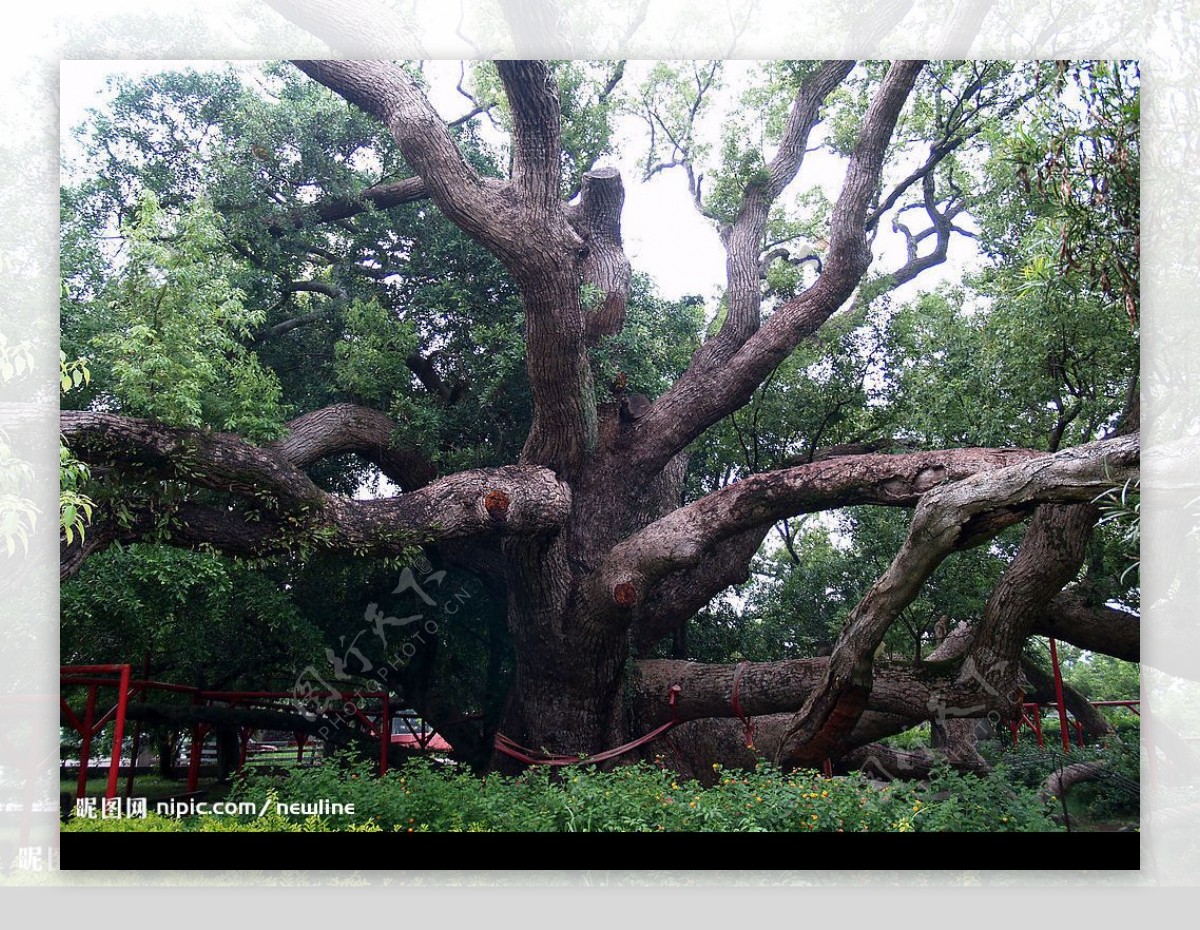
(824, 794)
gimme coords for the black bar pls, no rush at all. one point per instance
(337, 851)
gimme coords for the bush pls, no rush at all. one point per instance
(424, 796)
(994, 803)
(916, 738)
(1114, 796)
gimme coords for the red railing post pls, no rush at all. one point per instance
(1058, 697)
(136, 748)
(114, 766)
(385, 735)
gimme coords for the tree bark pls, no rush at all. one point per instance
(280, 509)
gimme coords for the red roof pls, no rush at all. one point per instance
(433, 742)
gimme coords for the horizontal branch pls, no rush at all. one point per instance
(281, 510)
(377, 197)
(912, 692)
(201, 457)
(1103, 629)
(684, 537)
(511, 500)
(693, 746)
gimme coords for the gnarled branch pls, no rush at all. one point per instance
(685, 536)
(719, 383)
(341, 428)
(942, 521)
(385, 90)
(281, 509)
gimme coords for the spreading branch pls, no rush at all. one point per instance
(382, 196)
(685, 537)
(745, 238)
(386, 91)
(713, 386)
(1103, 629)
(524, 223)
(279, 509)
(942, 521)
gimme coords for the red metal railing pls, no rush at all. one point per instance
(377, 723)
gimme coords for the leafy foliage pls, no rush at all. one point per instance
(639, 798)
(1122, 509)
(205, 620)
(74, 507)
(175, 350)
(18, 512)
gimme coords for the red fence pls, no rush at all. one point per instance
(353, 708)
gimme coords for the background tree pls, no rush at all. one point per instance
(448, 312)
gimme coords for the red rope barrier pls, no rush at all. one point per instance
(524, 754)
(747, 721)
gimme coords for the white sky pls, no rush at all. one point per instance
(664, 235)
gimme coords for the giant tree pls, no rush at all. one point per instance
(534, 407)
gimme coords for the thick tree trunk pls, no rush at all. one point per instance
(572, 657)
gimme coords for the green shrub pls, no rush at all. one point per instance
(1114, 796)
(152, 823)
(425, 796)
(966, 803)
(916, 738)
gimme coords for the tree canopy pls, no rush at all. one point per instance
(368, 359)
